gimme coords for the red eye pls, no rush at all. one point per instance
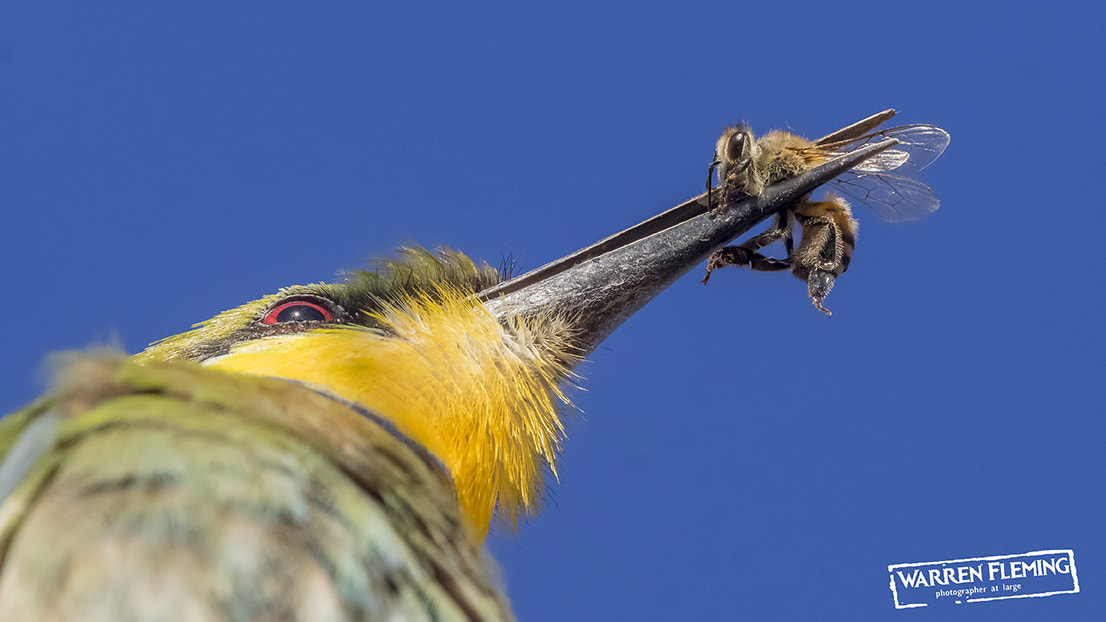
(297, 311)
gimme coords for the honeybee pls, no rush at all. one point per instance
(746, 166)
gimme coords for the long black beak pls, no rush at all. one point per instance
(604, 284)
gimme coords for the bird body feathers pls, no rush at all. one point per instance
(174, 492)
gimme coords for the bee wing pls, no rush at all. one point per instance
(892, 198)
(919, 145)
(923, 143)
(887, 160)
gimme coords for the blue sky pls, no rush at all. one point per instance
(738, 455)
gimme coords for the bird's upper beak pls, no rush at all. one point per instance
(604, 284)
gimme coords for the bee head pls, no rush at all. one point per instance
(734, 150)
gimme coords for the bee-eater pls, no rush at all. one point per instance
(331, 451)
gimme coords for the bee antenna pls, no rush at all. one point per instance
(710, 173)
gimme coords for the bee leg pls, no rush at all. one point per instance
(782, 225)
(760, 263)
(744, 255)
(768, 237)
(729, 194)
(819, 283)
(829, 257)
(732, 182)
(826, 248)
(726, 256)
